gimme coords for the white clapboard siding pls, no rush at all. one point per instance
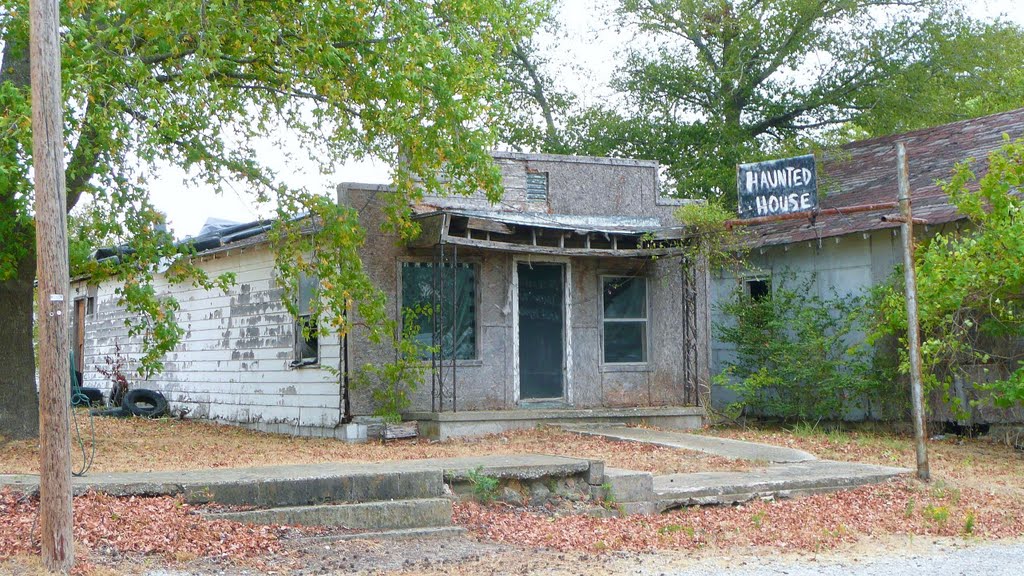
(234, 361)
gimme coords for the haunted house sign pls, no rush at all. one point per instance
(777, 187)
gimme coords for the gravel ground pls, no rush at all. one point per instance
(465, 557)
(936, 558)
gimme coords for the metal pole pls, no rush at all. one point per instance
(913, 335)
(433, 332)
(52, 260)
(455, 320)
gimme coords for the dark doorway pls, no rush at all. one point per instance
(541, 330)
(78, 335)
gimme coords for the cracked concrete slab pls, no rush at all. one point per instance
(778, 481)
(312, 483)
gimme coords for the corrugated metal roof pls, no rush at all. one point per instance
(864, 172)
(579, 224)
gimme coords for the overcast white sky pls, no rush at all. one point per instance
(591, 46)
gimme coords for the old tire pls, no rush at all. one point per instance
(112, 412)
(95, 396)
(145, 403)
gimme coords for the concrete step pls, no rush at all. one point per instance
(402, 534)
(381, 515)
(356, 486)
(628, 486)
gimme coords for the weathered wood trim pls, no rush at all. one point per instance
(563, 251)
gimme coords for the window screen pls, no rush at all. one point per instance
(307, 341)
(452, 314)
(624, 301)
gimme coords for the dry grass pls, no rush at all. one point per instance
(138, 445)
(974, 463)
(808, 524)
(977, 491)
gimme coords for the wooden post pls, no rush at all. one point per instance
(54, 286)
(913, 335)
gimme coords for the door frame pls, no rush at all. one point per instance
(566, 264)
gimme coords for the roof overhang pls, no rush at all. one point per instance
(551, 234)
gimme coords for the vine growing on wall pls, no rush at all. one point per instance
(393, 383)
(710, 237)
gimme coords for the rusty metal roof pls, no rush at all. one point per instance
(568, 222)
(864, 172)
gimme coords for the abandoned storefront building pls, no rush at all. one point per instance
(568, 300)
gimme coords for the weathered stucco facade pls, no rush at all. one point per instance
(582, 194)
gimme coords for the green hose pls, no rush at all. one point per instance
(79, 398)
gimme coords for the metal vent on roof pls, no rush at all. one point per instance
(536, 186)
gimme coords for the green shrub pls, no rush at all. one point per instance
(970, 286)
(485, 488)
(797, 355)
(391, 384)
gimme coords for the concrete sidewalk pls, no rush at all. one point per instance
(776, 481)
(735, 449)
(788, 472)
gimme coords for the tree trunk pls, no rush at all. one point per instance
(19, 405)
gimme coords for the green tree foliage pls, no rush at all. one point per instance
(798, 356)
(970, 285)
(539, 104)
(710, 83)
(972, 69)
(196, 83)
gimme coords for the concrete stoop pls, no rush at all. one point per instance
(383, 515)
(773, 482)
(380, 501)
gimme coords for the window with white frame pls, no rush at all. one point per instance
(307, 341)
(624, 319)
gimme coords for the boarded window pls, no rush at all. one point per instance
(307, 341)
(536, 185)
(449, 320)
(624, 301)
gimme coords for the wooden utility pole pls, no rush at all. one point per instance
(913, 335)
(54, 286)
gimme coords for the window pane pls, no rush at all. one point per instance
(307, 342)
(307, 285)
(625, 297)
(456, 307)
(464, 313)
(625, 342)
